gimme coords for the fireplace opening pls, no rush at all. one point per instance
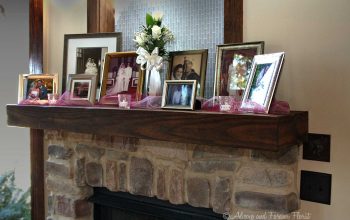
(125, 206)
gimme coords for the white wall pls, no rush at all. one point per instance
(14, 59)
(315, 35)
(61, 17)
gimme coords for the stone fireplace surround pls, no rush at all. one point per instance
(225, 179)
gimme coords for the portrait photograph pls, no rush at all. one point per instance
(83, 87)
(84, 54)
(179, 94)
(121, 74)
(37, 86)
(233, 65)
(189, 65)
(90, 60)
(263, 80)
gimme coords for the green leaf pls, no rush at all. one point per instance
(149, 20)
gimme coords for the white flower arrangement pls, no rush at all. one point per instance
(154, 35)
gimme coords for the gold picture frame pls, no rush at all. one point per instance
(226, 84)
(197, 59)
(179, 94)
(82, 87)
(113, 84)
(28, 87)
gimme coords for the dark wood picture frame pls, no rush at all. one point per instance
(202, 66)
(68, 37)
(247, 50)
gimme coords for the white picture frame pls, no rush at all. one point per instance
(262, 81)
(73, 43)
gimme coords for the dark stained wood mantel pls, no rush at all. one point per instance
(266, 132)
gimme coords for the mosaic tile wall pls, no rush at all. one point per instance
(196, 24)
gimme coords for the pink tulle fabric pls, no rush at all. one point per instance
(66, 100)
(277, 107)
(154, 102)
(149, 102)
(33, 102)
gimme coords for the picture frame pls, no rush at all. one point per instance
(263, 81)
(233, 64)
(28, 87)
(84, 53)
(193, 60)
(122, 75)
(179, 94)
(82, 87)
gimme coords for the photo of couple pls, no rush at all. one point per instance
(39, 88)
(189, 65)
(185, 71)
(179, 94)
(122, 75)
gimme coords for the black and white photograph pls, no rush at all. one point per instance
(90, 60)
(179, 94)
(84, 54)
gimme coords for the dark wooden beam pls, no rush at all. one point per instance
(265, 132)
(36, 36)
(233, 21)
(37, 173)
(36, 135)
(100, 16)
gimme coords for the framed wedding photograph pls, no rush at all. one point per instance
(233, 65)
(189, 65)
(121, 75)
(179, 94)
(37, 86)
(82, 87)
(84, 54)
(263, 81)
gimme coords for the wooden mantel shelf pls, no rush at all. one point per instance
(266, 132)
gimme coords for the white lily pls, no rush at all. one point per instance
(157, 16)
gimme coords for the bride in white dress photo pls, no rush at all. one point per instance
(121, 81)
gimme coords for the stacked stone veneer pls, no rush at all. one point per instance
(222, 178)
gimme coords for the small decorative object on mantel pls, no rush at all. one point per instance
(262, 82)
(34, 88)
(179, 94)
(151, 42)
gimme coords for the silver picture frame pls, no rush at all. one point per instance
(263, 81)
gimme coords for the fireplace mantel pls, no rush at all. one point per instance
(265, 132)
(246, 131)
